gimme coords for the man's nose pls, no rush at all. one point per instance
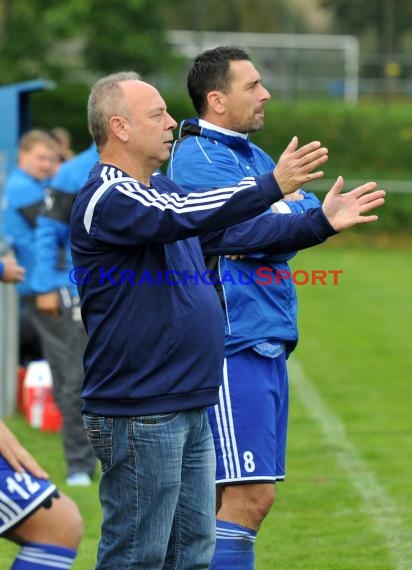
(265, 94)
(171, 124)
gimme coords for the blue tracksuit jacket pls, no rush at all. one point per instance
(156, 339)
(207, 155)
(53, 256)
(23, 200)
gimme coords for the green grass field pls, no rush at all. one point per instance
(346, 503)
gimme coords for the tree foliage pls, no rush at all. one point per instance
(389, 20)
(269, 16)
(23, 45)
(71, 39)
(126, 34)
(77, 40)
(60, 39)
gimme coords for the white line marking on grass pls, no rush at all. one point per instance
(378, 504)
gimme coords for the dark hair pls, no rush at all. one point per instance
(210, 71)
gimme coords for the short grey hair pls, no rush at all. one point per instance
(106, 100)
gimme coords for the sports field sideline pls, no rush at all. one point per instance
(346, 503)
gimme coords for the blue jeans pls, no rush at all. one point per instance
(157, 491)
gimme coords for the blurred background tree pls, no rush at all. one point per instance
(387, 21)
(269, 16)
(68, 40)
(78, 39)
(23, 40)
(127, 34)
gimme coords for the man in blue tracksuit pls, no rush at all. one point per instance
(23, 199)
(41, 247)
(155, 352)
(250, 421)
(57, 298)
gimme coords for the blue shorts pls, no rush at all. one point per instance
(21, 494)
(249, 423)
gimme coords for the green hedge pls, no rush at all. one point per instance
(64, 106)
(364, 140)
(367, 141)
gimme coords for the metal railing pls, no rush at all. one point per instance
(8, 348)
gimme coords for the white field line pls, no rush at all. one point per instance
(379, 506)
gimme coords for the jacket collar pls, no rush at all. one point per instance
(199, 127)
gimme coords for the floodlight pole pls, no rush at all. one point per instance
(387, 29)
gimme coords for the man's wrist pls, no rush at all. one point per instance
(271, 191)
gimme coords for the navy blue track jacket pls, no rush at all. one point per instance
(155, 327)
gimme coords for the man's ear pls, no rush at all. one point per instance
(216, 101)
(119, 127)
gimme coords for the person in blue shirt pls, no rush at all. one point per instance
(23, 198)
(154, 356)
(25, 192)
(33, 513)
(57, 297)
(249, 422)
(52, 230)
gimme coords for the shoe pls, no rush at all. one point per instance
(79, 479)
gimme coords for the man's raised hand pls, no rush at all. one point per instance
(346, 210)
(296, 165)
